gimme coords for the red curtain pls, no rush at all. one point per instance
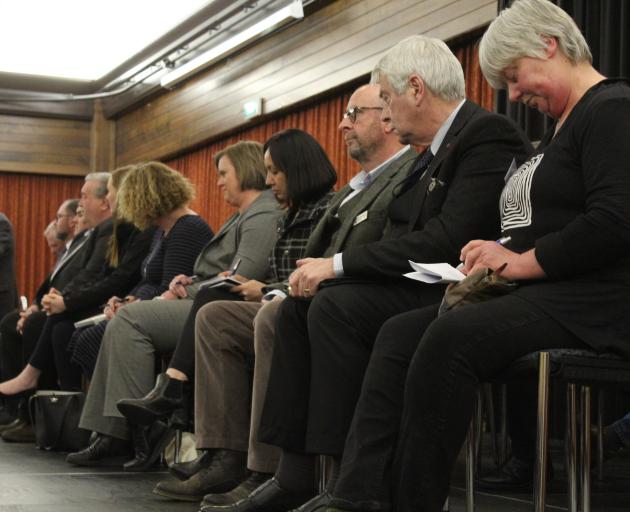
(30, 201)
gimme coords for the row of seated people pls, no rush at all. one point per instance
(342, 356)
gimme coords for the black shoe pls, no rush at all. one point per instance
(184, 470)
(162, 400)
(269, 497)
(15, 423)
(149, 443)
(104, 451)
(240, 492)
(319, 502)
(6, 417)
(515, 475)
(225, 472)
(21, 432)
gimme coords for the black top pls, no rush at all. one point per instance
(571, 201)
(172, 255)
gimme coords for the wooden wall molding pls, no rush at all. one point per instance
(331, 47)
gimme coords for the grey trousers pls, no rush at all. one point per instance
(233, 348)
(125, 367)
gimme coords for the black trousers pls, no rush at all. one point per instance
(16, 348)
(320, 354)
(418, 397)
(183, 358)
(51, 354)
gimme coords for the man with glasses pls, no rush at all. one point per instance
(323, 345)
(355, 216)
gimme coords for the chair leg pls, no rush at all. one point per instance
(600, 435)
(323, 473)
(178, 445)
(542, 433)
(479, 429)
(490, 417)
(470, 460)
(504, 435)
(571, 448)
(445, 507)
(586, 448)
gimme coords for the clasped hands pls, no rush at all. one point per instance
(53, 303)
(115, 303)
(305, 280)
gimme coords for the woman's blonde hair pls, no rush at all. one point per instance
(247, 158)
(116, 177)
(152, 190)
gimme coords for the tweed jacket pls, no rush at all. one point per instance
(368, 218)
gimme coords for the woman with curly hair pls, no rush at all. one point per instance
(125, 366)
(152, 194)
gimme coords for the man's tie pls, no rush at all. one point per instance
(420, 166)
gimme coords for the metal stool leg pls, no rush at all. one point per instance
(571, 448)
(445, 506)
(542, 433)
(586, 448)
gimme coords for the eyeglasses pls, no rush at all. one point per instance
(351, 113)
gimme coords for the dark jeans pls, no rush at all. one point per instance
(320, 354)
(455, 353)
(183, 358)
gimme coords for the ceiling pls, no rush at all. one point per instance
(63, 54)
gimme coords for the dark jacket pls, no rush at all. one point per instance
(456, 200)
(8, 289)
(98, 283)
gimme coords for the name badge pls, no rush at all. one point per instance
(360, 218)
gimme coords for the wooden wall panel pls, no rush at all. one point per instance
(327, 49)
(31, 201)
(39, 145)
(319, 118)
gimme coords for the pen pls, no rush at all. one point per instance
(194, 279)
(235, 267)
(504, 240)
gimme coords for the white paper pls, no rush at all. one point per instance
(87, 322)
(432, 273)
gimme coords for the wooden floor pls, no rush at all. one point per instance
(36, 481)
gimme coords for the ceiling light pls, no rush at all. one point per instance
(292, 11)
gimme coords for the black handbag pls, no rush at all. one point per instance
(55, 418)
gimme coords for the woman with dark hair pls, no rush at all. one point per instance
(227, 346)
(143, 329)
(153, 194)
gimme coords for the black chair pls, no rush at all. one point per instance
(574, 368)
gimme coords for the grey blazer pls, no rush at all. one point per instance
(368, 218)
(8, 287)
(248, 237)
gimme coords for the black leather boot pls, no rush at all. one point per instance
(162, 400)
(149, 443)
(184, 470)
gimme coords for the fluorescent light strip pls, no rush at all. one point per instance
(291, 11)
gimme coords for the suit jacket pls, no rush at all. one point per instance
(8, 287)
(367, 220)
(248, 237)
(457, 199)
(133, 246)
(67, 269)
